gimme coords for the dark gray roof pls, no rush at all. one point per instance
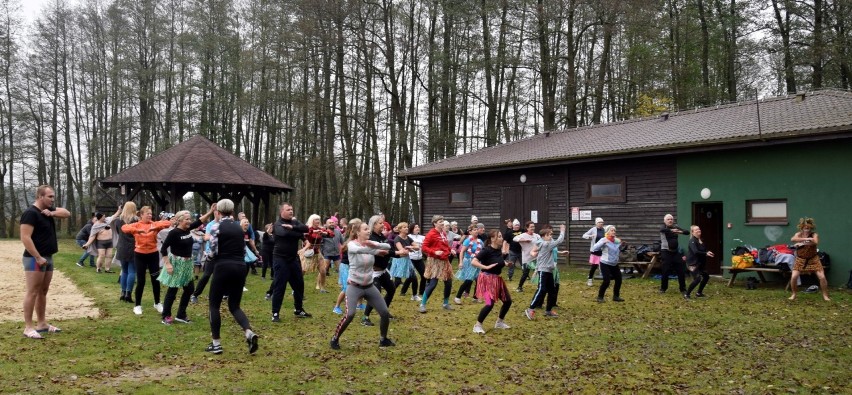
(197, 161)
(817, 113)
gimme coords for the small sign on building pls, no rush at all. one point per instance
(585, 215)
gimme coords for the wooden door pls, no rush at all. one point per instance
(708, 216)
(512, 204)
(535, 199)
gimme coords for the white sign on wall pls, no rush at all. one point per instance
(585, 215)
(534, 216)
(575, 213)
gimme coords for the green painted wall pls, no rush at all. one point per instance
(815, 178)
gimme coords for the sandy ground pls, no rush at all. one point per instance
(64, 300)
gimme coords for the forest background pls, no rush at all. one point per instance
(336, 97)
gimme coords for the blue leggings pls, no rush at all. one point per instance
(128, 275)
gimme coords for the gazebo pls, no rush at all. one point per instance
(196, 165)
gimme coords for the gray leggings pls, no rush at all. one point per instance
(374, 298)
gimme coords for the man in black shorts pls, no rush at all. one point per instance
(38, 234)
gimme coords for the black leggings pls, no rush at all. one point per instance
(383, 281)
(151, 263)
(433, 283)
(487, 310)
(547, 287)
(267, 263)
(610, 273)
(465, 287)
(592, 271)
(700, 279)
(171, 295)
(420, 267)
(229, 279)
(525, 274)
(205, 277)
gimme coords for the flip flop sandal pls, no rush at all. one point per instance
(32, 334)
(49, 329)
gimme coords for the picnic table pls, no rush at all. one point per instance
(757, 269)
(642, 266)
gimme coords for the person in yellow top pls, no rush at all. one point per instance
(147, 257)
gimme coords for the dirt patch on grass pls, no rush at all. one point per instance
(64, 300)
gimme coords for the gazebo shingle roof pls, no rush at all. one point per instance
(818, 113)
(197, 161)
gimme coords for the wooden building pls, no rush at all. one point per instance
(750, 155)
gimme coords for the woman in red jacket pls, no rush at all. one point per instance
(436, 247)
(147, 257)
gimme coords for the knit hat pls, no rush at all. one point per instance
(516, 222)
(473, 218)
(599, 219)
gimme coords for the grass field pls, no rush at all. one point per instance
(735, 341)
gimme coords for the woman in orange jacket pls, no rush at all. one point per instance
(147, 257)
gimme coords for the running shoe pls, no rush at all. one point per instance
(334, 344)
(422, 308)
(447, 306)
(500, 324)
(215, 349)
(167, 320)
(589, 283)
(366, 322)
(519, 289)
(599, 300)
(386, 343)
(418, 298)
(276, 318)
(193, 299)
(478, 329)
(337, 310)
(159, 307)
(137, 310)
(361, 306)
(617, 299)
(413, 297)
(456, 300)
(184, 320)
(700, 295)
(302, 314)
(530, 313)
(252, 343)
(80, 263)
(551, 314)
(268, 296)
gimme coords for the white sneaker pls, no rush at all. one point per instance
(418, 298)
(137, 310)
(589, 282)
(456, 300)
(158, 307)
(478, 329)
(501, 325)
(245, 289)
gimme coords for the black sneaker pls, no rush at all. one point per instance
(184, 320)
(211, 348)
(617, 299)
(302, 314)
(334, 344)
(700, 295)
(599, 300)
(252, 343)
(386, 343)
(686, 296)
(366, 322)
(662, 291)
(80, 263)
(276, 318)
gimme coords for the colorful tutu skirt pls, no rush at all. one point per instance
(181, 273)
(468, 272)
(807, 260)
(490, 288)
(401, 267)
(310, 264)
(438, 268)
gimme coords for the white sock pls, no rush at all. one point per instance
(249, 333)
(216, 342)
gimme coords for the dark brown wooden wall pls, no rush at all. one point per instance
(651, 194)
(651, 188)
(487, 195)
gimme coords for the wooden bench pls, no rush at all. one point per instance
(758, 270)
(641, 266)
